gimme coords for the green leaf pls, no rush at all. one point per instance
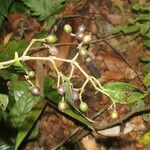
(53, 97)
(131, 29)
(145, 58)
(23, 103)
(44, 8)
(143, 17)
(144, 28)
(147, 68)
(124, 93)
(31, 119)
(146, 117)
(68, 95)
(49, 22)
(9, 50)
(3, 101)
(19, 7)
(4, 8)
(147, 43)
(145, 138)
(144, 7)
(146, 80)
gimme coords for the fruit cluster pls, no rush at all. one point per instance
(62, 105)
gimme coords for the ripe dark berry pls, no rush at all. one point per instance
(67, 28)
(62, 105)
(81, 28)
(34, 90)
(61, 90)
(83, 106)
(75, 95)
(51, 38)
(79, 35)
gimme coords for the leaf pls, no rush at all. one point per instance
(137, 7)
(124, 93)
(9, 50)
(19, 7)
(68, 95)
(4, 8)
(147, 68)
(143, 17)
(145, 58)
(146, 117)
(146, 80)
(31, 119)
(147, 43)
(3, 102)
(44, 8)
(145, 138)
(53, 97)
(144, 28)
(23, 103)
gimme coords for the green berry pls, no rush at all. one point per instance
(114, 115)
(62, 105)
(83, 106)
(67, 28)
(51, 38)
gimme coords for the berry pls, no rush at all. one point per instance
(83, 51)
(31, 74)
(75, 95)
(67, 28)
(61, 90)
(87, 39)
(114, 115)
(81, 28)
(34, 90)
(51, 38)
(62, 105)
(83, 106)
(79, 35)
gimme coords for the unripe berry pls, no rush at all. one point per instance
(67, 28)
(75, 95)
(62, 105)
(51, 38)
(61, 90)
(31, 74)
(81, 28)
(34, 90)
(114, 115)
(87, 39)
(79, 35)
(83, 106)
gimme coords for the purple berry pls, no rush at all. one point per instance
(61, 90)
(81, 28)
(75, 95)
(79, 35)
(34, 90)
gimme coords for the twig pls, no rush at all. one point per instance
(124, 118)
(114, 123)
(77, 129)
